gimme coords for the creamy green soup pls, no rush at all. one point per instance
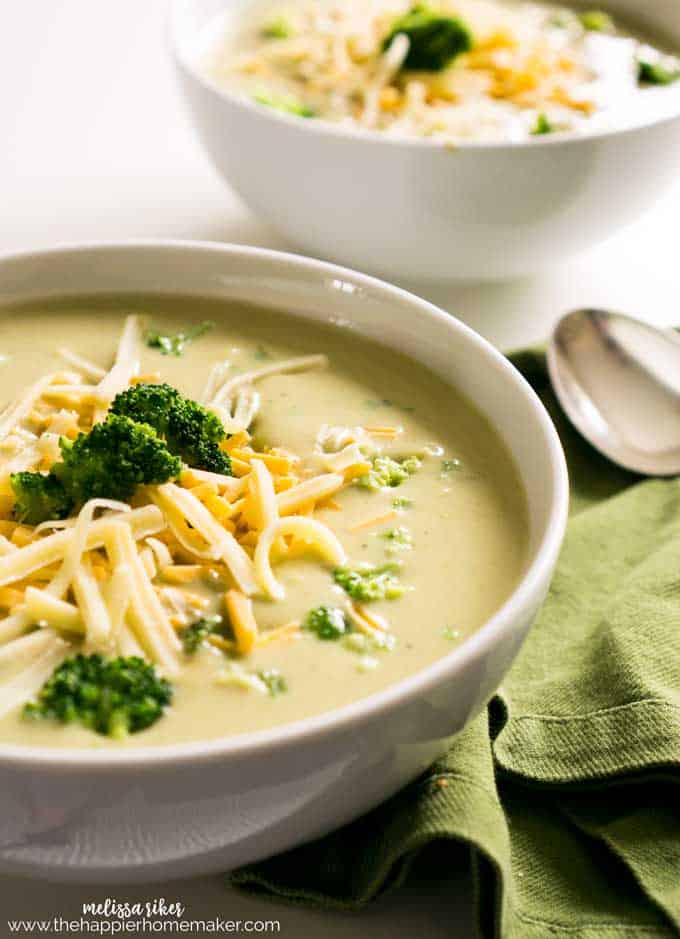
(432, 507)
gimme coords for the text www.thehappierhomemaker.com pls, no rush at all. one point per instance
(59, 925)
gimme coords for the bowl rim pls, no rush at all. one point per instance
(363, 136)
(325, 724)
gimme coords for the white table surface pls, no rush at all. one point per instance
(95, 146)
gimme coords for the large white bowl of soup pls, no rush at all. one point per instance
(271, 533)
(457, 139)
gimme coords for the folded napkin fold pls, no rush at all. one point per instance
(567, 789)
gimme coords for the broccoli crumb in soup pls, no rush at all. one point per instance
(217, 519)
(453, 70)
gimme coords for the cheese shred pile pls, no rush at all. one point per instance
(529, 67)
(122, 579)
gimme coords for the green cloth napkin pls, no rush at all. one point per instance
(567, 790)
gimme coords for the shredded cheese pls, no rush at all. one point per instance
(218, 544)
(242, 619)
(22, 408)
(92, 606)
(308, 530)
(265, 505)
(301, 364)
(147, 520)
(29, 681)
(83, 365)
(43, 607)
(121, 583)
(124, 369)
(146, 615)
(311, 490)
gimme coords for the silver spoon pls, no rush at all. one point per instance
(618, 380)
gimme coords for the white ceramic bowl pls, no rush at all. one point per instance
(414, 209)
(180, 810)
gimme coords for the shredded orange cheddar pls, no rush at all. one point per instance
(22, 535)
(221, 643)
(374, 522)
(286, 633)
(183, 573)
(356, 470)
(242, 619)
(236, 441)
(384, 431)
(281, 483)
(10, 596)
(149, 378)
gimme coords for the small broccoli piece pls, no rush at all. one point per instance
(169, 344)
(39, 496)
(108, 462)
(195, 634)
(658, 73)
(411, 464)
(190, 431)
(327, 622)
(452, 466)
(110, 696)
(563, 19)
(274, 681)
(596, 21)
(285, 103)
(370, 583)
(399, 538)
(277, 28)
(434, 39)
(542, 126)
(388, 473)
(402, 503)
(361, 643)
(261, 354)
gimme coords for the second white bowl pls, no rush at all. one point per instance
(415, 209)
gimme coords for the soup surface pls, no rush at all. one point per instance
(369, 521)
(455, 70)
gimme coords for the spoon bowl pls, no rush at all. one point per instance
(618, 380)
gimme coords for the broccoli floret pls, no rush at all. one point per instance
(370, 583)
(388, 473)
(190, 431)
(111, 696)
(113, 459)
(596, 21)
(542, 126)
(39, 496)
(327, 622)
(108, 462)
(175, 344)
(285, 103)
(434, 39)
(277, 28)
(196, 633)
(658, 73)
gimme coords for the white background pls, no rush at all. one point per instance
(95, 146)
